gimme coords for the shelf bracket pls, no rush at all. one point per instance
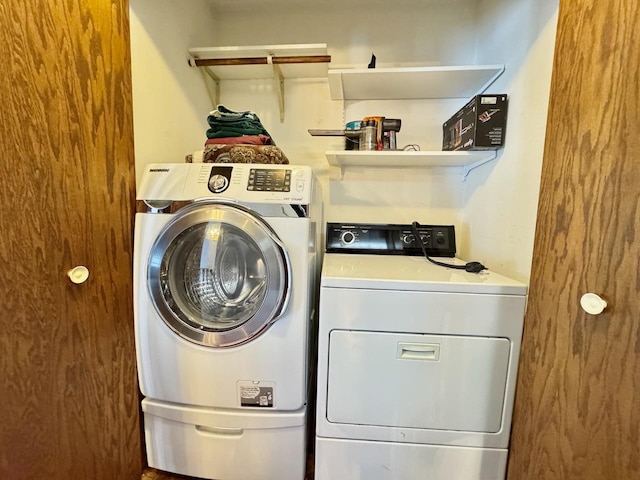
(279, 79)
(468, 168)
(214, 93)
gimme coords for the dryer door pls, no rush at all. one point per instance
(218, 274)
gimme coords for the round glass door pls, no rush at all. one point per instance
(218, 275)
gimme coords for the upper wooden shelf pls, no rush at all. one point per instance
(275, 62)
(411, 82)
(252, 62)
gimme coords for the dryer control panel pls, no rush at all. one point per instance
(391, 239)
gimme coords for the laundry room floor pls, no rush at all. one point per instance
(153, 474)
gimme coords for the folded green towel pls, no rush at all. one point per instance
(224, 122)
(231, 131)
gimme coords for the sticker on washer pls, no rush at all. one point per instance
(256, 394)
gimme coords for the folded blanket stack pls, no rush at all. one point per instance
(237, 137)
(229, 127)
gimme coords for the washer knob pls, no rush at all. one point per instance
(218, 183)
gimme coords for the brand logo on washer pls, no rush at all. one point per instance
(159, 169)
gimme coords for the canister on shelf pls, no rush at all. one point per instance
(352, 135)
(368, 135)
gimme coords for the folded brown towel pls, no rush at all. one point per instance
(242, 154)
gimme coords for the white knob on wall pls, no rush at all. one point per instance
(592, 303)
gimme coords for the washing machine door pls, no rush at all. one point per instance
(218, 274)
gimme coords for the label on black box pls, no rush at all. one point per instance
(488, 100)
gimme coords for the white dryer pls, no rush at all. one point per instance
(224, 290)
(416, 367)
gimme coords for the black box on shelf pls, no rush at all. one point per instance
(479, 125)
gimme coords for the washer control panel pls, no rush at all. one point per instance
(260, 179)
(391, 239)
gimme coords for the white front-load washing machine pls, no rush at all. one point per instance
(417, 362)
(224, 291)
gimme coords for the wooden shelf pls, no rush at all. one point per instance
(466, 160)
(250, 71)
(411, 82)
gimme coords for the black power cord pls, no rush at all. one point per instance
(473, 267)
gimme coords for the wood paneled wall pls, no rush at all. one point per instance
(68, 391)
(577, 413)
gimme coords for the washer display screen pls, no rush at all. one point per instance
(263, 180)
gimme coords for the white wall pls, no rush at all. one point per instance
(170, 102)
(494, 209)
(501, 197)
(399, 33)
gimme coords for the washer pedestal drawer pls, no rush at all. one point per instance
(225, 444)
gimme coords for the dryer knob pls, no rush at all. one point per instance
(408, 239)
(347, 238)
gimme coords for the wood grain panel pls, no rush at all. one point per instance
(577, 413)
(68, 392)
